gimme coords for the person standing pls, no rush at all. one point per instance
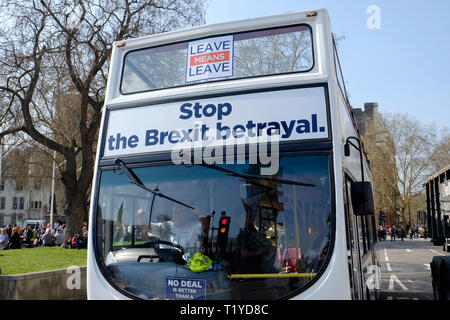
(402, 233)
(393, 232)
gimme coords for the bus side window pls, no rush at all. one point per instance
(362, 236)
(368, 232)
(374, 230)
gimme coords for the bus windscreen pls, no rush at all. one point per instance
(215, 232)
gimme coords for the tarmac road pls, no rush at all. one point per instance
(405, 268)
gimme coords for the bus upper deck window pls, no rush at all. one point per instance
(241, 55)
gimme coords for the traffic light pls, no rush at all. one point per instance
(222, 236)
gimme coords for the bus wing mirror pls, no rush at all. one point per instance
(347, 149)
(362, 198)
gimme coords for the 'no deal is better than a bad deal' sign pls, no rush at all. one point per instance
(210, 58)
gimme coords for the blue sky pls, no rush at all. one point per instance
(404, 66)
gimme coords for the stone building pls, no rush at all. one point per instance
(25, 188)
(367, 118)
(381, 154)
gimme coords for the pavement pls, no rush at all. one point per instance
(405, 268)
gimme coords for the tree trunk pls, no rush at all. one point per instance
(74, 216)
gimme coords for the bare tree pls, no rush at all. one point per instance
(54, 50)
(416, 147)
(273, 54)
(442, 154)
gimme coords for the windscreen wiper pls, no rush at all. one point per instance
(253, 176)
(136, 181)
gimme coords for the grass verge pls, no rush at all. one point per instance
(18, 261)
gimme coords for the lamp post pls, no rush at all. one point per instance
(52, 200)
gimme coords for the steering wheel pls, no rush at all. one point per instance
(165, 255)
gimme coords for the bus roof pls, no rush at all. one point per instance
(229, 27)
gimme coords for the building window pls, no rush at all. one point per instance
(14, 203)
(362, 128)
(2, 185)
(21, 202)
(36, 204)
(2, 203)
(19, 185)
(1, 221)
(37, 184)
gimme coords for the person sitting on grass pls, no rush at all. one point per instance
(41, 230)
(15, 242)
(80, 241)
(85, 236)
(48, 239)
(9, 230)
(59, 236)
(26, 236)
(4, 239)
(77, 241)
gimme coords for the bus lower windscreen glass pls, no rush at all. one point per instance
(215, 231)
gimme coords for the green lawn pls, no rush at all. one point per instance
(17, 261)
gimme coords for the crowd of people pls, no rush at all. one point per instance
(394, 231)
(13, 237)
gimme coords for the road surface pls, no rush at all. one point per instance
(405, 268)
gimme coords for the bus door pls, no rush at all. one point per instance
(353, 245)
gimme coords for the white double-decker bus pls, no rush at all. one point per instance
(229, 167)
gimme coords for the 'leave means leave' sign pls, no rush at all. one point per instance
(210, 58)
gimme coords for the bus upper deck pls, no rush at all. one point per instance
(149, 65)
